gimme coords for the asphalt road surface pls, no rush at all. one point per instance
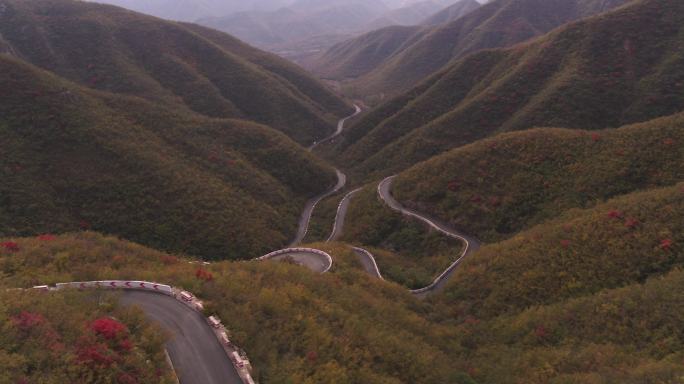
(338, 131)
(368, 262)
(471, 244)
(305, 218)
(196, 354)
(341, 215)
(314, 262)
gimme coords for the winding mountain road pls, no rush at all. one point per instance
(311, 204)
(471, 244)
(341, 215)
(196, 354)
(338, 131)
(316, 262)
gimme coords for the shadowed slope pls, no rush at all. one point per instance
(116, 50)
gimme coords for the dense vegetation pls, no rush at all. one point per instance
(406, 251)
(617, 68)
(497, 187)
(623, 241)
(394, 60)
(78, 158)
(610, 310)
(185, 67)
(66, 337)
(297, 326)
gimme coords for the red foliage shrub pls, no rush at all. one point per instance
(94, 355)
(108, 328)
(84, 225)
(27, 320)
(125, 345)
(169, 260)
(312, 356)
(595, 137)
(669, 142)
(666, 244)
(565, 243)
(454, 186)
(476, 199)
(541, 332)
(46, 237)
(614, 214)
(10, 246)
(631, 223)
(203, 274)
(126, 378)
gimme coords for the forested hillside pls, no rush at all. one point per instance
(426, 50)
(80, 158)
(467, 335)
(621, 67)
(119, 51)
(496, 187)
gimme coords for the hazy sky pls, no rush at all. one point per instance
(191, 10)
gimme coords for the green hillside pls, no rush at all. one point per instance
(295, 325)
(171, 179)
(406, 251)
(182, 66)
(423, 52)
(628, 334)
(624, 241)
(497, 187)
(618, 68)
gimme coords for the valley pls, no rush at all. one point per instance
(492, 193)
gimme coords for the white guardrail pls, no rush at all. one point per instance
(299, 250)
(236, 355)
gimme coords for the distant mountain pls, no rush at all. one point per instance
(148, 138)
(498, 24)
(299, 21)
(621, 67)
(191, 10)
(115, 50)
(453, 12)
(412, 14)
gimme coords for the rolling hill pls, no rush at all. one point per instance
(425, 51)
(81, 158)
(497, 187)
(179, 65)
(618, 68)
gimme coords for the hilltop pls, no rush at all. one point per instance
(606, 71)
(180, 65)
(426, 50)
